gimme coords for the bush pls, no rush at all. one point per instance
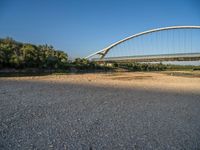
(142, 66)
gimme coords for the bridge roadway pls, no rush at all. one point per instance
(153, 58)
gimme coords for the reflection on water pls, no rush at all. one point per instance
(193, 63)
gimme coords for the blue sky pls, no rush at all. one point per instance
(81, 27)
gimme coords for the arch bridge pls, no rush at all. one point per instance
(180, 43)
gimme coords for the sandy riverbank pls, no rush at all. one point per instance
(188, 81)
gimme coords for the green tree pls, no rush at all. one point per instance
(29, 55)
(8, 47)
(17, 55)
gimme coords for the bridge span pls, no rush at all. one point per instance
(175, 43)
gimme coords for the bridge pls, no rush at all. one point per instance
(175, 43)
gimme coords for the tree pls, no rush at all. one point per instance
(62, 59)
(29, 55)
(17, 55)
(16, 61)
(1, 58)
(7, 48)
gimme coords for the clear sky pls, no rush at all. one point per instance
(81, 27)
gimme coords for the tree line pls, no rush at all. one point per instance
(142, 66)
(19, 55)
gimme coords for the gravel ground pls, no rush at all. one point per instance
(37, 113)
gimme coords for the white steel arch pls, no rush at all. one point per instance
(104, 51)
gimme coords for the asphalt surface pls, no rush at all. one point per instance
(36, 115)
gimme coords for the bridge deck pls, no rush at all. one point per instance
(154, 58)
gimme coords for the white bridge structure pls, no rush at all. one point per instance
(179, 43)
